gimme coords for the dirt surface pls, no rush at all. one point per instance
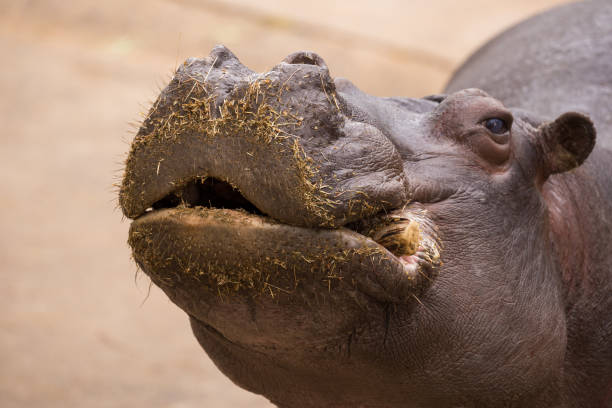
(76, 328)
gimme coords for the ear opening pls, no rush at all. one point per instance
(565, 143)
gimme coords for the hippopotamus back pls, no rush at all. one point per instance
(554, 62)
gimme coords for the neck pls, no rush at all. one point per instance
(579, 206)
(569, 232)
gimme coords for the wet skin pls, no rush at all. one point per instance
(273, 209)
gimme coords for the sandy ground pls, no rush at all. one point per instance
(76, 329)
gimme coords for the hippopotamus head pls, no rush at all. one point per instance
(332, 247)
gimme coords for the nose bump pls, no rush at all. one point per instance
(305, 57)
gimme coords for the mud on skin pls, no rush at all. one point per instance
(332, 248)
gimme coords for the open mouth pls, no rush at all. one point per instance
(399, 234)
(403, 238)
(207, 192)
(275, 213)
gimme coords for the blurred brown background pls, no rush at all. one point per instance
(76, 330)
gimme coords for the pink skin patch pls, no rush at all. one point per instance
(412, 263)
(408, 259)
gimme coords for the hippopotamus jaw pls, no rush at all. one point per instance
(203, 145)
(250, 252)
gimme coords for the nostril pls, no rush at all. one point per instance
(305, 57)
(439, 98)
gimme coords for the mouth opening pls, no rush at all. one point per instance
(398, 231)
(208, 192)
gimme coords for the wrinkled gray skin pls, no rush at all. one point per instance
(518, 312)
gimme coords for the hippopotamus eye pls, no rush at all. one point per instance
(496, 125)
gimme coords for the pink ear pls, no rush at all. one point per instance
(565, 142)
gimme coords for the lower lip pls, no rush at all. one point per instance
(234, 239)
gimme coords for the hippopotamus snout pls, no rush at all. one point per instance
(282, 139)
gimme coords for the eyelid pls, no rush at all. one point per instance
(501, 138)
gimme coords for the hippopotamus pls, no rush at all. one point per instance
(337, 249)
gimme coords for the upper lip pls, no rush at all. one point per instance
(216, 119)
